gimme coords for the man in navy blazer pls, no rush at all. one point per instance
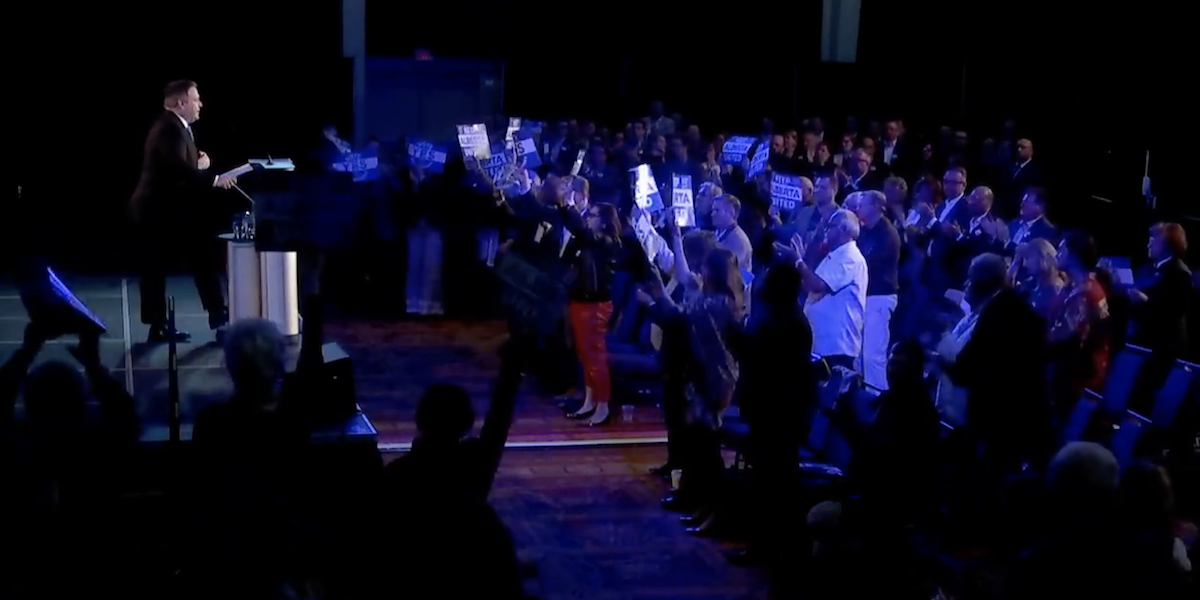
(1031, 223)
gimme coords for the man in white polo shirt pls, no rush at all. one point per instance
(837, 291)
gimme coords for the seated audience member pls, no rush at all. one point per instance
(1147, 505)
(250, 453)
(1035, 275)
(776, 393)
(894, 463)
(1087, 552)
(1031, 224)
(1080, 331)
(60, 465)
(836, 290)
(1161, 298)
(445, 464)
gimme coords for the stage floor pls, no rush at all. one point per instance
(393, 363)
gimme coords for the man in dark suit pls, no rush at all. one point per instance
(1161, 298)
(1003, 369)
(983, 233)
(1025, 173)
(858, 176)
(1031, 223)
(169, 206)
(950, 219)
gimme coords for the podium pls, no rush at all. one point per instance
(262, 285)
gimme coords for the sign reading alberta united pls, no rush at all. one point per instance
(494, 165)
(645, 190)
(759, 162)
(735, 149)
(682, 204)
(473, 139)
(785, 191)
(427, 155)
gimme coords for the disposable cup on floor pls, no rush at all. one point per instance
(676, 475)
(627, 413)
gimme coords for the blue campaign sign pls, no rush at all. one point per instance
(735, 149)
(527, 153)
(494, 165)
(759, 162)
(364, 165)
(427, 155)
(785, 191)
(645, 189)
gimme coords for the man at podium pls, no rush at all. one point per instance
(170, 206)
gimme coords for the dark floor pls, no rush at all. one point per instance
(589, 518)
(393, 363)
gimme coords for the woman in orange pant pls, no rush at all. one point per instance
(592, 253)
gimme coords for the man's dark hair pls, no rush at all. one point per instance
(177, 89)
(1038, 195)
(1082, 249)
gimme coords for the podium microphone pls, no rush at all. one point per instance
(244, 194)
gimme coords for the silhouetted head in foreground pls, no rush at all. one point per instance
(445, 413)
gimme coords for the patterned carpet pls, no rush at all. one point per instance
(395, 362)
(589, 519)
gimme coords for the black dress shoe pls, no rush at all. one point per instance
(676, 503)
(218, 319)
(159, 335)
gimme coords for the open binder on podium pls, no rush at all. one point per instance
(261, 164)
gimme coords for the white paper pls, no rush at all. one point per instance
(578, 163)
(473, 139)
(239, 171)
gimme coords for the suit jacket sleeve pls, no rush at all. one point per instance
(170, 157)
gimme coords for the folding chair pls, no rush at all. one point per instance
(1081, 415)
(1122, 375)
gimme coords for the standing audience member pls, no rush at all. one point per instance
(725, 211)
(591, 254)
(776, 392)
(1162, 296)
(836, 291)
(879, 243)
(708, 323)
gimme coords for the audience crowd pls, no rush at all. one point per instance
(964, 400)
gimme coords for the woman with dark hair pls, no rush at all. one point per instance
(592, 254)
(707, 322)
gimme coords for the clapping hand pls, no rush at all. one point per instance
(203, 162)
(951, 229)
(644, 297)
(988, 227)
(793, 251)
